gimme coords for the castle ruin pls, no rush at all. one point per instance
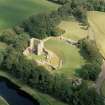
(36, 47)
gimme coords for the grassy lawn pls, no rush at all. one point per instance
(97, 22)
(14, 11)
(68, 53)
(42, 98)
(3, 101)
(73, 30)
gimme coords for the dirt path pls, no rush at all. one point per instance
(101, 78)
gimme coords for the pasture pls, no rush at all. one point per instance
(12, 12)
(69, 54)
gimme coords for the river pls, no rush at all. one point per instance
(13, 95)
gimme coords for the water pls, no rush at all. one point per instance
(13, 95)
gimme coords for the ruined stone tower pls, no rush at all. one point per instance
(36, 46)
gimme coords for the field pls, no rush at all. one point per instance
(69, 54)
(97, 23)
(12, 12)
(2, 101)
(73, 30)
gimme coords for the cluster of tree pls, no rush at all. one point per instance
(56, 85)
(89, 71)
(97, 5)
(41, 25)
(79, 8)
(45, 24)
(89, 51)
(15, 63)
(74, 8)
(17, 41)
(2, 54)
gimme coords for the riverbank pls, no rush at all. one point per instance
(43, 99)
(3, 101)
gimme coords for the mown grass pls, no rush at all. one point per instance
(73, 30)
(97, 23)
(12, 12)
(69, 54)
(3, 101)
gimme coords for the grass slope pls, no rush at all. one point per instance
(73, 30)
(97, 22)
(68, 53)
(14, 11)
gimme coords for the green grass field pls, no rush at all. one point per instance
(97, 22)
(14, 11)
(3, 101)
(73, 30)
(68, 53)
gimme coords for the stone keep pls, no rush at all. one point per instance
(36, 46)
